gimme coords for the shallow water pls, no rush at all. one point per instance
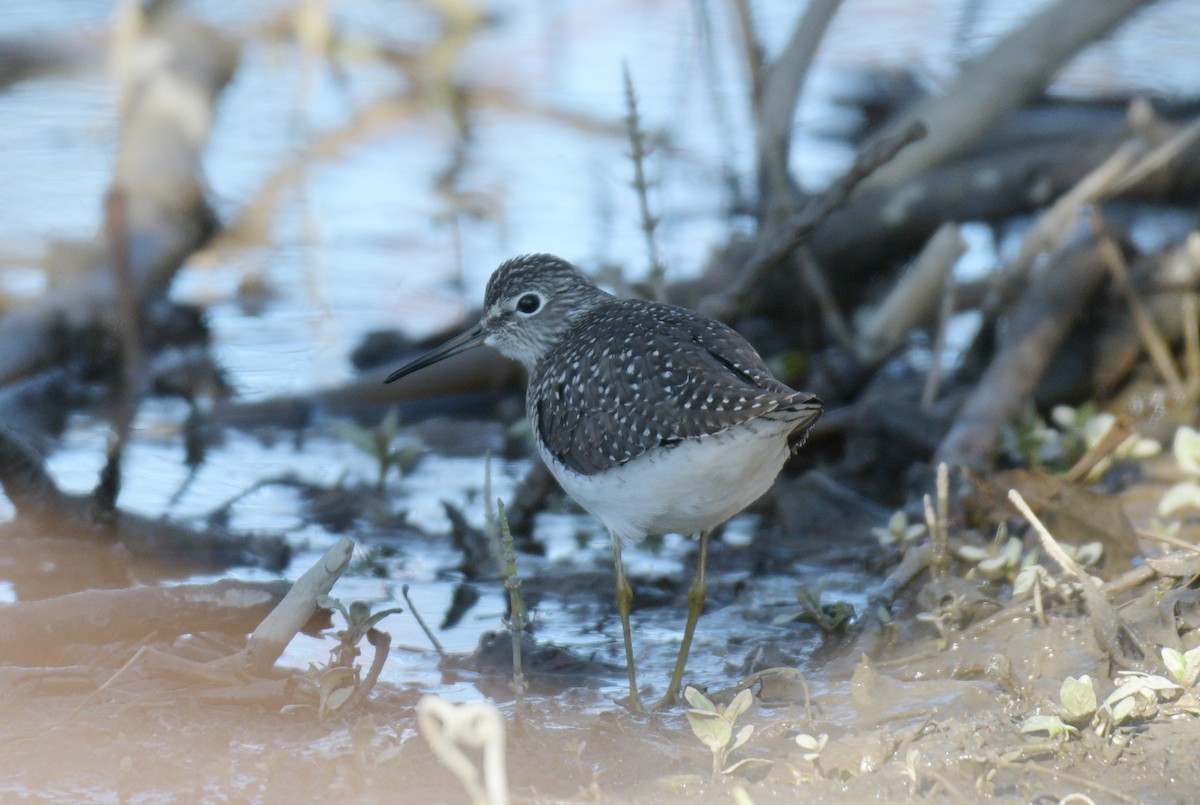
(367, 232)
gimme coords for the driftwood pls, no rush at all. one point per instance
(913, 301)
(1040, 321)
(178, 68)
(1015, 70)
(96, 617)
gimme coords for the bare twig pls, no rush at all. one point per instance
(773, 253)
(1041, 319)
(437, 645)
(1051, 228)
(1152, 338)
(775, 107)
(1119, 432)
(277, 629)
(1158, 159)
(1019, 66)
(1112, 633)
(933, 380)
(751, 47)
(633, 128)
(814, 281)
(1191, 339)
(913, 300)
(1169, 540)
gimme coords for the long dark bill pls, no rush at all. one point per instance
(460, 343)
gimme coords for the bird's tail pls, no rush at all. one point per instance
(806, 410)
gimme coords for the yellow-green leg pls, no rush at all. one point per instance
(696, 595)
(624, 604)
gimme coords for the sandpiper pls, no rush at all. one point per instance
(654, 418)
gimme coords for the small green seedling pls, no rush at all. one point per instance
(713, 725)
(333, 684)
(899, 531)
(1137, 696)
(813, 746)
(1078, 697)
(832, 618)
(360, 621)
(377, 442)
(1184, 666)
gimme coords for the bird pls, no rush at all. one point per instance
(654, 418)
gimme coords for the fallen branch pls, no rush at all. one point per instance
(1041, 319)
(1018, 67)
(178, 66)
(277, 629)
(774, 250)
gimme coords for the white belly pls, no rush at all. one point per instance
(691, 487)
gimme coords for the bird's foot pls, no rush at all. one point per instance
(668, 700)
(632, 702)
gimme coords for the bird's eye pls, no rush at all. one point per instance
(529, 303)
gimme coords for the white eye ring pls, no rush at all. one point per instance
(529, 303)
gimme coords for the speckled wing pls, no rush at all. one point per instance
(648, 375)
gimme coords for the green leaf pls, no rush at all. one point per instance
(740, 704)
(359, 612)
(1186, 448)
(1078, 696)
(698, 700)
(1175, 663)
(746, 764)
(1183, 495)
(336, 699)
(1121, 710)
(806, 741)
(1191, 661)
(712, 729)
(743, 735)
(361, 438)
(389, 426)
(1053, 726)
(381, 614)
(329, 602)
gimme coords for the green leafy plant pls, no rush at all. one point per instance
(1034, 443)
(1137, 696)
(1183, 666)
(360, 622)
(899, 531)
(331, 686)
(378, 442)
(1078, 697)
(813, 746)
(831, 618)
(713, 724)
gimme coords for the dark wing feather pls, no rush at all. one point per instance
(648, 376)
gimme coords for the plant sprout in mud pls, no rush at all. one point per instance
(713, 724)
(1138, 697)
(339, 684)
